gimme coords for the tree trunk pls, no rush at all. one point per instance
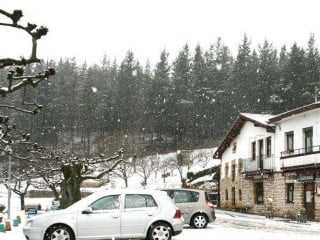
(70, 186)
(22, 201)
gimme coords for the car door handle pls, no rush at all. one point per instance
(115, 216)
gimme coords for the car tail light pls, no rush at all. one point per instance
(209, 204)
(177, 214)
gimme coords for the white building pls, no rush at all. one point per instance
(273, 161)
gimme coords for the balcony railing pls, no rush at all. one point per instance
(302, 157)
(260, 163)
(300, 152)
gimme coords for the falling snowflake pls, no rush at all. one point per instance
(219, 67)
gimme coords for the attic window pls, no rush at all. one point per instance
(234, 147)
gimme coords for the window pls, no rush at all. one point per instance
(233, 171)
(226, 195)
(185, 196)
(289, 141)
(290, 190)
(234, 147)
(308, 135)
(240, 165)
(240, 195)
(233, 196)
(106, 203)
(268, 147)
(139, 201)
(253, 150)
(226, 169)
(259, 192)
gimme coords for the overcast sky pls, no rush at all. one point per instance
(89, 29)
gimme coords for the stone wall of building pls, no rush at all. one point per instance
(317, 200)
(275, 195)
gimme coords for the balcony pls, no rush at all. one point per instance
(300, 152)
(259, 164)
(301, 157)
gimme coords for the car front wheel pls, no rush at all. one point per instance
(199, 221)
(160, 231)
(59, 232)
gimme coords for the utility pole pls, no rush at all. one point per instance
(9, 151)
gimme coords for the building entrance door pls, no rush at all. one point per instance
(233, 196)
(309, 200)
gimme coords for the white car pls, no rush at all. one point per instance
(116, 214)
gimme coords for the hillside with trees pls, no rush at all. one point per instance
(187, 104)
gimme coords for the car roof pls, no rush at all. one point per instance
(126, 191)
(187, 189)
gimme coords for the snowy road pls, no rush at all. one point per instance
(230, 225)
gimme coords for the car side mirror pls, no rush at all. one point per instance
(88, 210)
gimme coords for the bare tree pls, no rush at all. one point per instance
(146, 166)
(16, 79)
(124, 170)
(21, 190)
(68, 171)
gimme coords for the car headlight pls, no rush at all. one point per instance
(28, 224)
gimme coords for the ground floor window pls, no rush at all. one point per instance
(233, 196)
(259, 192)
(240, 195)
(290, 190)
(226, 195)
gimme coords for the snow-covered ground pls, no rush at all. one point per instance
(229, 225)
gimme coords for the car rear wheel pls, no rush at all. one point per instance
(199, 221)
(59, 232)
(160, 231)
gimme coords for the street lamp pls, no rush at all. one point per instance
(8, 150)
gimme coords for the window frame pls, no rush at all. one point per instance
(127, 206)
(253, 150)
(308, 145)
(290, 141)
(290, 192)
(96, 203)
(268, 146)
(259, 192)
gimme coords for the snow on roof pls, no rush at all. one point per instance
(260, 118)
(203, 179)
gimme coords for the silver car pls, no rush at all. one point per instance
(118, 214)
(195, 205)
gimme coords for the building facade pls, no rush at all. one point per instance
(273, 162)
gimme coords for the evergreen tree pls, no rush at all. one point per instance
(243, 81)
(181, 105)
(294, 74)
(222, 112)
(312, 74)
(268, 76)
(157, 101)
(201, 97)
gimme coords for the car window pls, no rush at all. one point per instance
(185, 196)
(106, 203)
(139, 201)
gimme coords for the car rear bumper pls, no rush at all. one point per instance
(177, 226)
(212, 216)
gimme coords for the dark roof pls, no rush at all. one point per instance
(258, 120)
(294, 112)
